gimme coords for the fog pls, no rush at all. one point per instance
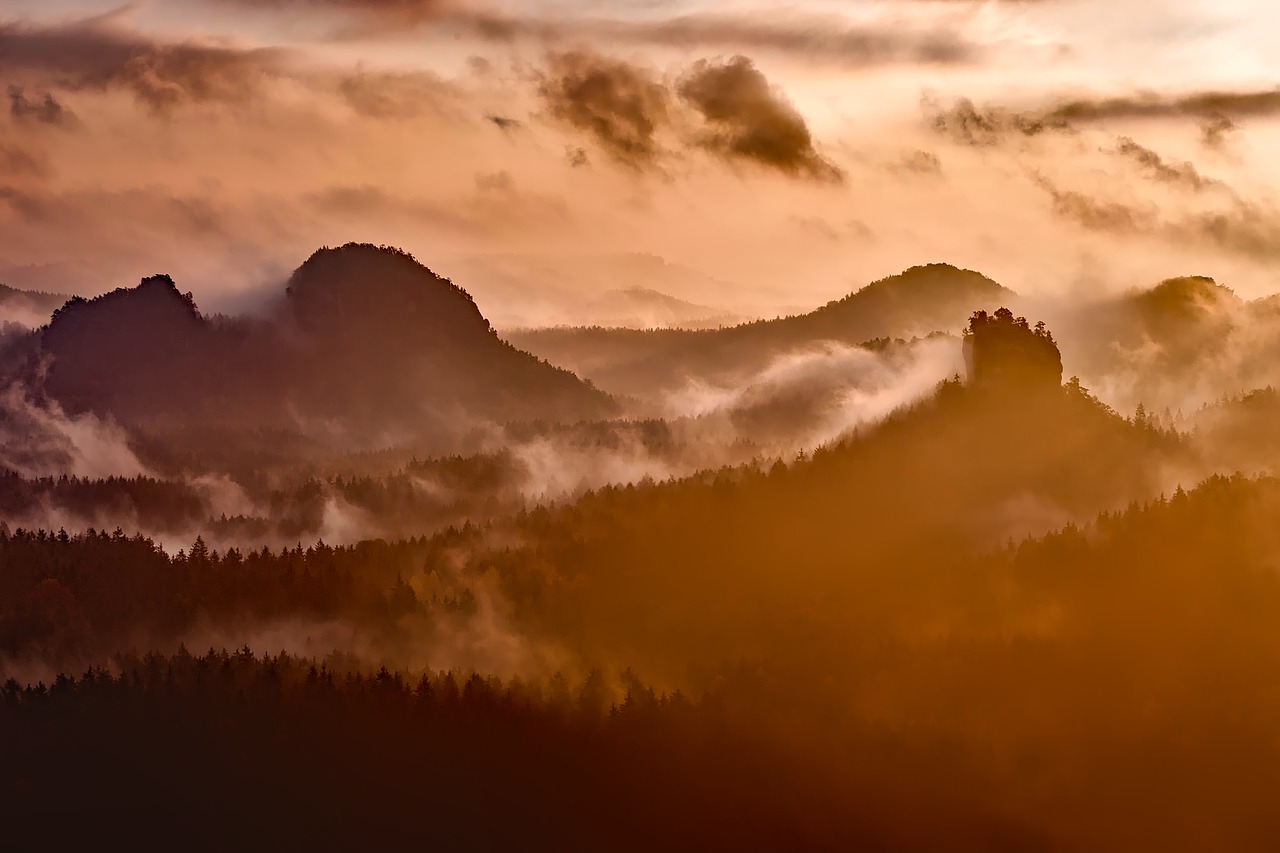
(697, 423)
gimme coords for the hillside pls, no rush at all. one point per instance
(1178, 345)
(924, 299)
(28, 308)
(368, 344)
(645, 308)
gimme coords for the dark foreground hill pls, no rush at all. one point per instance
(925, 299)
(367, 345)
(858, 670)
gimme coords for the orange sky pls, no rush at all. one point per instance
(223, 140)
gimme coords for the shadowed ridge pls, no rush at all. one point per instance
(360, 288)
(915, 303)
(369, 343)
(156, 299)
(922, 299)
(1184, 301)
(131, 351)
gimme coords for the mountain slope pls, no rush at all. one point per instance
(367, 345)
(925, 299)
(29, 308)
(1178, 345)
(645, 308)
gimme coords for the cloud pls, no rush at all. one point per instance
(1208, 104)
(727, 107)
(749, 120)
(1243, 229)
(42, 440)
(19, 162)
(968, 124)
(1096, 215)
(388, 95)
(1183, 174)
(503, 123)
(43, 109)
(813, 37)
(1214, 131)
(828, 38)
(98, 54)
(920, 162)
(618, 104)
(405, 11)
(370, 201)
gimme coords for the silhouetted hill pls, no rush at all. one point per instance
(937, 297)
(369, 345)
(131, 351)
(963, 470)
(1001, 350)
(378, 295)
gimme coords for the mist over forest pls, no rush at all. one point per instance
(618, 426)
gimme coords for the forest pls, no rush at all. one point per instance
(987, 611)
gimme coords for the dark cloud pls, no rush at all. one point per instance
(504, 123)
(920, 162)
(400, 11)
(749, 120)
(577, 157)
(99, 54)
(620, 105)
(19, 162)
(827, 38)
(1243, 229)
(1214, 131)
(386, 95)
(968, 124)
(43, 109)
(1210, 105)
(1247, 230)
(1097, 215)
(1156, 167)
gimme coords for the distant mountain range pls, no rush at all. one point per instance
(609, 289)
(29, 308)
(919, 301)
(367, 348)
(644, 308)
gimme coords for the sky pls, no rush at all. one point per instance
(779, 156)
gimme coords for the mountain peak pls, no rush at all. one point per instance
(359, 288)
(155, 304)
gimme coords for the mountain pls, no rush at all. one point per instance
(1179, 345)
(28, 308)
(958, 473)
(546, 290)
(645, 308)
(921, 300)
(367, 345)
